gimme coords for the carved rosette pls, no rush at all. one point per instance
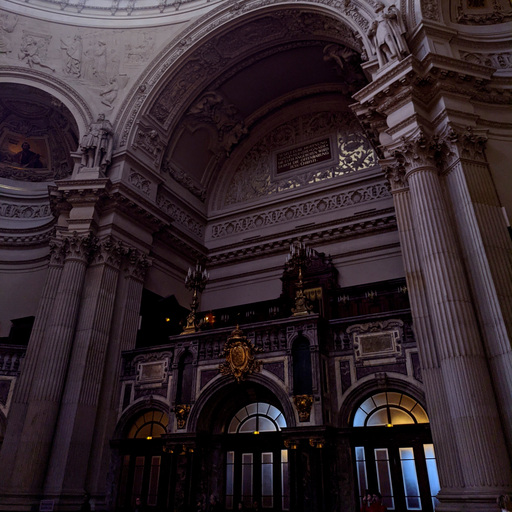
(303, 404)
(239, 353)
(182, 411)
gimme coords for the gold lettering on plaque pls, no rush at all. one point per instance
(303, 156)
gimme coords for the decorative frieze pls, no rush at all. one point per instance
(179, 215)
(184, 180)
(299, 210)
(25, 211)
(140, 182)
(501, 60)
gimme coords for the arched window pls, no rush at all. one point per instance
(257, 417)
(388, 409)
(257, 469)
(413, 483)
(149, 425)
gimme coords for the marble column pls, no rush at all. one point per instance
(67, 466)
(28, 366)
(438, 409)
(478, 436)
(27, 467)
(487, 250)
(125, 322)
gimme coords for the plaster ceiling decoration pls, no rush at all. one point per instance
(237, 81)
(32, 147)
(120, 9)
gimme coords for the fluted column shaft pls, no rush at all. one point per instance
(36, 434)
(125, 322)
(472, 406)
(28, 366)
(487, 249)
(75, 426)
(438, 409)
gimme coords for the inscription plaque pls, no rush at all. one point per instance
(303, 156)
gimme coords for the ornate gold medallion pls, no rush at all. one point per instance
(239, 353)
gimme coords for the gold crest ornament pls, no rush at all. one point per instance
(303, 403)
(182, 412)
(239, 353)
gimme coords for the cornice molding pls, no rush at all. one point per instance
(342, 229)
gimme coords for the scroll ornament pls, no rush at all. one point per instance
(182, 411)
(303, 403)
(239, 353)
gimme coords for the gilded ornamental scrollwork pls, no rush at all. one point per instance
(182, 411)
(303, 404)
(239, 353)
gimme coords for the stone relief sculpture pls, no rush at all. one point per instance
(7, 25)
(73, 52)
(212, 109)
(33, 50)
(109, 93)
(97, 144)
(387, 34)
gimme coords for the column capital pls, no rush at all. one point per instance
(137, 264)
(110, 251)
(464, 143)
(419, 151)
(79, 247)
(395, 174)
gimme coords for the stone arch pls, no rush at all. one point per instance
(224, 397)
(374, 385)
(56, 88)
(127, 418)
(149, 101)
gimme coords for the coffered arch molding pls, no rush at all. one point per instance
(182, 71)
(56, 88)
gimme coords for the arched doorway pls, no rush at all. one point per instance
(144, 472)
(394, 453)
(256, 464)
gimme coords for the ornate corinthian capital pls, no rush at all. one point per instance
(420, 151)
(464, 143)
(80, 247)
(395, 174)
(137, 264)
(111, 251)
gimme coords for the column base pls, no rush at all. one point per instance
(31, 502)
(464, 500)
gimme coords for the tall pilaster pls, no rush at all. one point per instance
(487, 250)
(478, 435)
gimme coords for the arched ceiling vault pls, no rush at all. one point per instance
(245, 75)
